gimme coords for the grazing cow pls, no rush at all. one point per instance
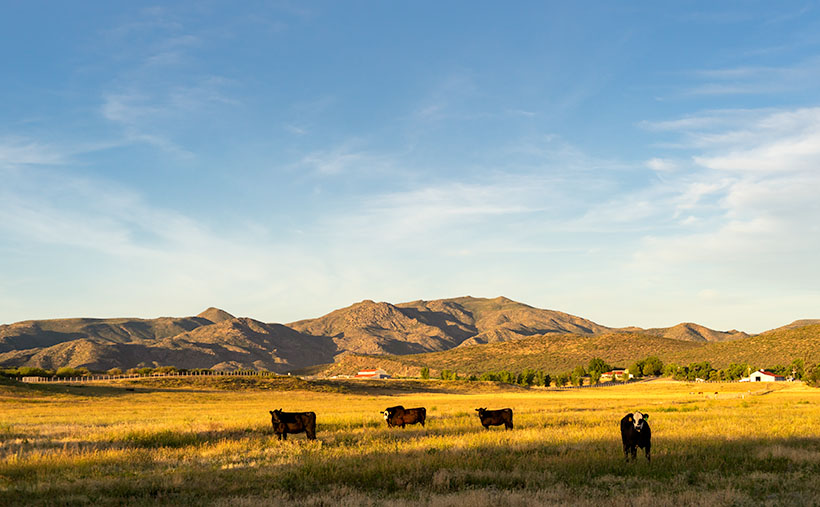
(293, 422)
(635, 433)
(495, 418)
(399, 416)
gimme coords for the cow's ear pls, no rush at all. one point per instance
(646, 416)
(271, 412)
(630, 419)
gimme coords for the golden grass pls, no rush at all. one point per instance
(105, 445)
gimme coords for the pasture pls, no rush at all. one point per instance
(196, 443)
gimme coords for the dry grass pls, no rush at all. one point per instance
(105, 445)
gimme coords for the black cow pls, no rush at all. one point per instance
(399, 416)
(635, 433)
(495, 418)
(293, 422)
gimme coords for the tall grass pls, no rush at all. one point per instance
(76, 446)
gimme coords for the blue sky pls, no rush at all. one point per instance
(635, 163)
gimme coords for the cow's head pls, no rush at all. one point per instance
(639, 419)
(481, 411)
(390, 412)
(276, 416)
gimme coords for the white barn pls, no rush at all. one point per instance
(765, 376)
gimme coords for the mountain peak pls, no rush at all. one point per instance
(215, 315)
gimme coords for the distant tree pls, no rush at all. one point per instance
(594, 376)
(596, 364)
(812, 376)
(577, 376)
(115, 371)
(425, 373)
(66, 371)
(653, 366)
(561, 379)
(472, 378)
(797, 369)
(637, 369)
(736, 371)
(28, 371)
(670, 370)
(547, 380)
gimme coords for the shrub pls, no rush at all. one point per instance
(425, 373)
(115, 371)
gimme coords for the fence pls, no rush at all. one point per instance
(92, 378)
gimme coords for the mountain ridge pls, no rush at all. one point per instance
(216, 339)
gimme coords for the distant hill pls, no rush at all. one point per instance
(552, 353)
(777, 347)
(215, 315)
(696, 333)
(561, 352)
(466, 334)
(426, 326)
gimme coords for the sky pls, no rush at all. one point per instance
(633, 163)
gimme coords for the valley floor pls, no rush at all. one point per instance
(143, 444)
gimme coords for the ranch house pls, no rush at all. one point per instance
(766, 376)
(612, 375)
(378, 373)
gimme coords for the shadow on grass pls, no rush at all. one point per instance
(758, 467)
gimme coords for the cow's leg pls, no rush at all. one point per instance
(626, 452)
(648, 455)
(284, 435)
(279, 436)
(634, 451)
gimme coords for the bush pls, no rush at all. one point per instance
(67, 371)
(115, 371)
(425, 373)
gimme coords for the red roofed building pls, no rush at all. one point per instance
(377, 374)
(766, 376)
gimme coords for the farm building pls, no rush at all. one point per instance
(613, 375)
(765, 376)
(377, 374)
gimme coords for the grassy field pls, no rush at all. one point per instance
(196, 442)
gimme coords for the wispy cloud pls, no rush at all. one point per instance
(747, 80)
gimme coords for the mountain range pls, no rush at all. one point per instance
(405, 333)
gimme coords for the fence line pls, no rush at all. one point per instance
(92, 378)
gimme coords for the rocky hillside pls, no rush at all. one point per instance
(696, 333)
(462, 330)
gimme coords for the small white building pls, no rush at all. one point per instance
(765, 376)
(377, 373)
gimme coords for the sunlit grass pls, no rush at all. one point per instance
(746, 444)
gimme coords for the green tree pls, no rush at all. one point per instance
(425, 373)
(577, 376)
(637, 369)
(599, 365)
(797, 369)
(653, 366)
(561, 379)
(594, 376)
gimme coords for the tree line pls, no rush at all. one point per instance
(650, 366)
